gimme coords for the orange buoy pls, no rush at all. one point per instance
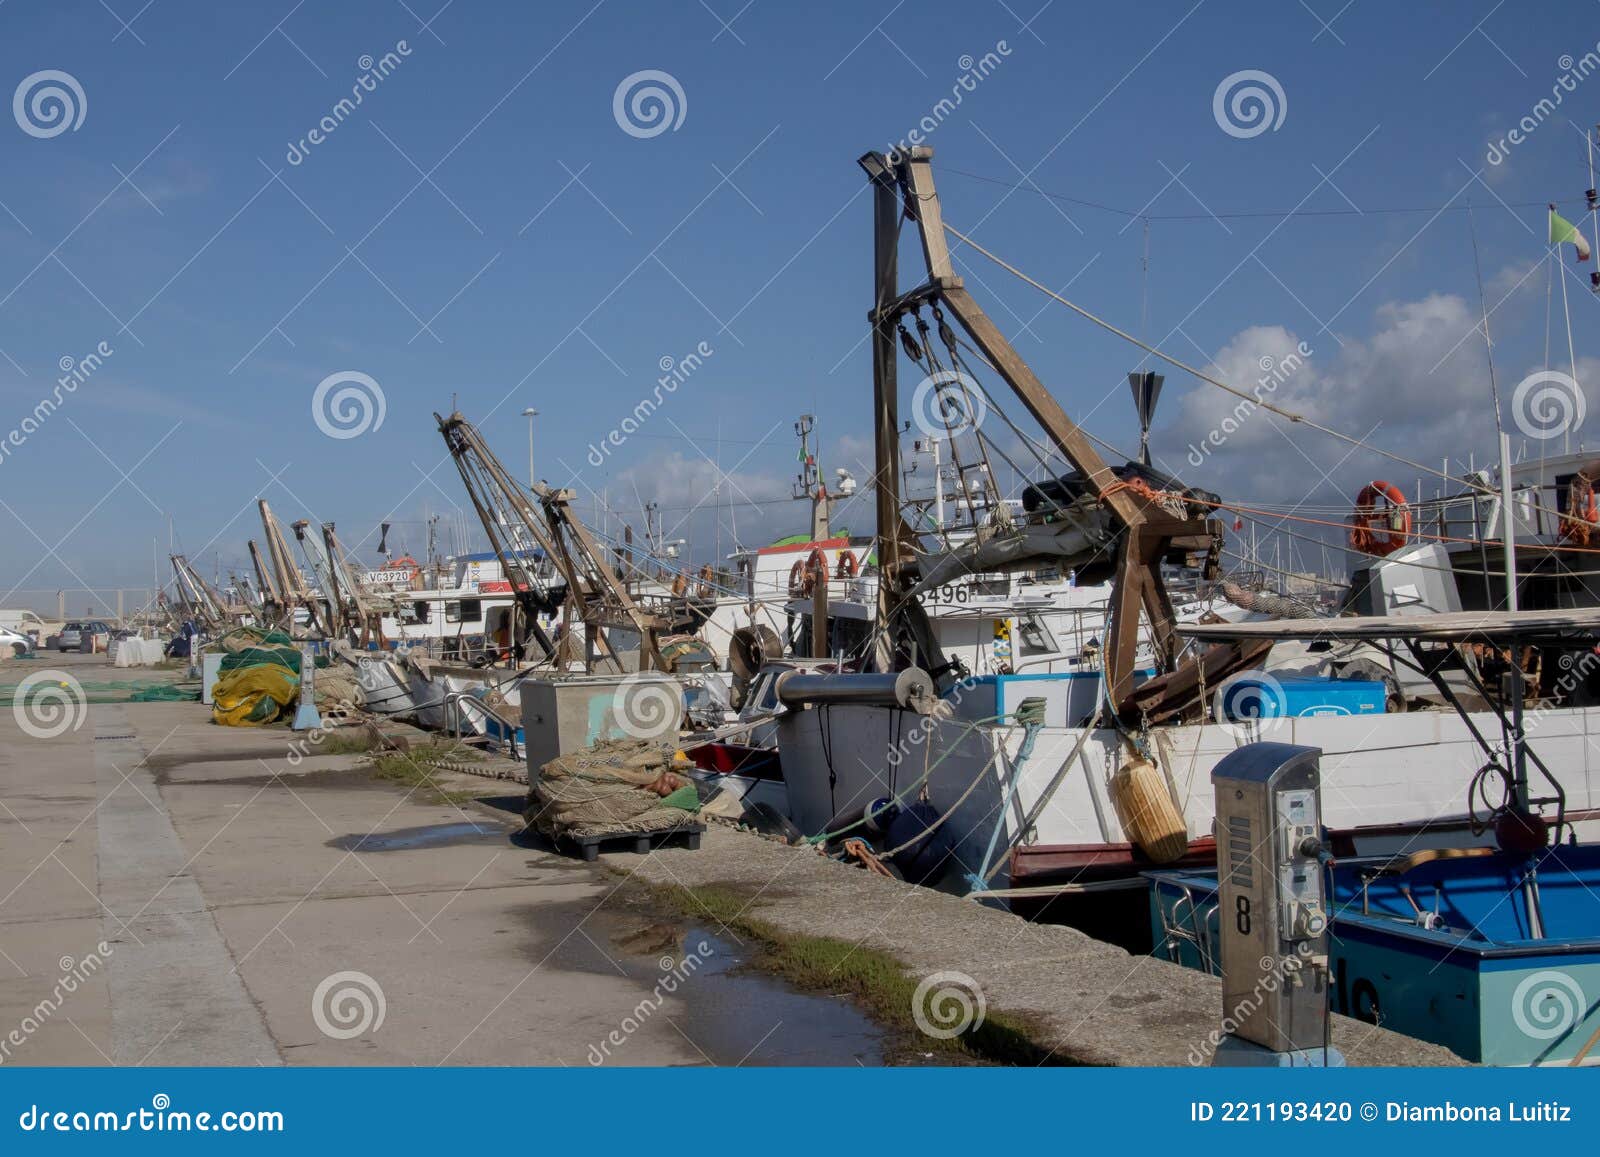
(1382, 520)
(1583, 513)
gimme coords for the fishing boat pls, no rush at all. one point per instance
(1450, 948)
(1019, 789)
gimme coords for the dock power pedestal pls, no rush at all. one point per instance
(1272, 913)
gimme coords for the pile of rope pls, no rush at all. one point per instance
(616, 786)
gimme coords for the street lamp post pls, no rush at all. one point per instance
(530, 413)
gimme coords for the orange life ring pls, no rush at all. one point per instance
(803, 575)
(1583, 513)
(847, 566)
(680, 587)
(706, 586)
(1382, 520)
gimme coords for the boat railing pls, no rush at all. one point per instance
(456, 706)
(1185, 922)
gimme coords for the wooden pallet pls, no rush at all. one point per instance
(589, 847)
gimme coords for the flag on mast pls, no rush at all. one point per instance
(1562, 230)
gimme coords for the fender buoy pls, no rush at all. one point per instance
(847, 565)
(1583, 513)
(1382, 520)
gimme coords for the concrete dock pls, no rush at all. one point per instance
(216, 897)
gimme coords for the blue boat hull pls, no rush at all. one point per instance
(1443, 951)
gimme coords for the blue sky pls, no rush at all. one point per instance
(482, 226)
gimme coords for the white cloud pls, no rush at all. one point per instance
(1417, 386)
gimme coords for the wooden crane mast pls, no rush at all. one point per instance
(903, 188)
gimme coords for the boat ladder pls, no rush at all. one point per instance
(458, 704)
(1185, 922)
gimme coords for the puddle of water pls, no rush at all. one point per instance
(733, 1015)
(431, 836)
(744, 1018)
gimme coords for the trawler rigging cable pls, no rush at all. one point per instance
(1360, 443)
(1289, 415)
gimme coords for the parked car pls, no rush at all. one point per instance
(99, 636)
(15, 643)
(87, 635)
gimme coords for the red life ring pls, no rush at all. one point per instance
(1382, 520)
(847, 566)
(1583, 513)
(803, 575)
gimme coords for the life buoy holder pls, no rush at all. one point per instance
(803, 575)
(1382, 520)
(1578, 524)
(847, 567)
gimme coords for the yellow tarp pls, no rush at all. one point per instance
(250, 696)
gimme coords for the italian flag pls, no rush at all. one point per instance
(1563, 230)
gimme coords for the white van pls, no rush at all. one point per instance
(26, 622)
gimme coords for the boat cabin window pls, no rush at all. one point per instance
(463, 611)
(420, 609)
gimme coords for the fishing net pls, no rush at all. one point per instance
(164, 693)
(259, 653)
(251, 696)
(258, 680)
(337, 686)
(106, 691)
(618, 785)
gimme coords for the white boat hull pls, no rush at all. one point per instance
(1409, 769)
